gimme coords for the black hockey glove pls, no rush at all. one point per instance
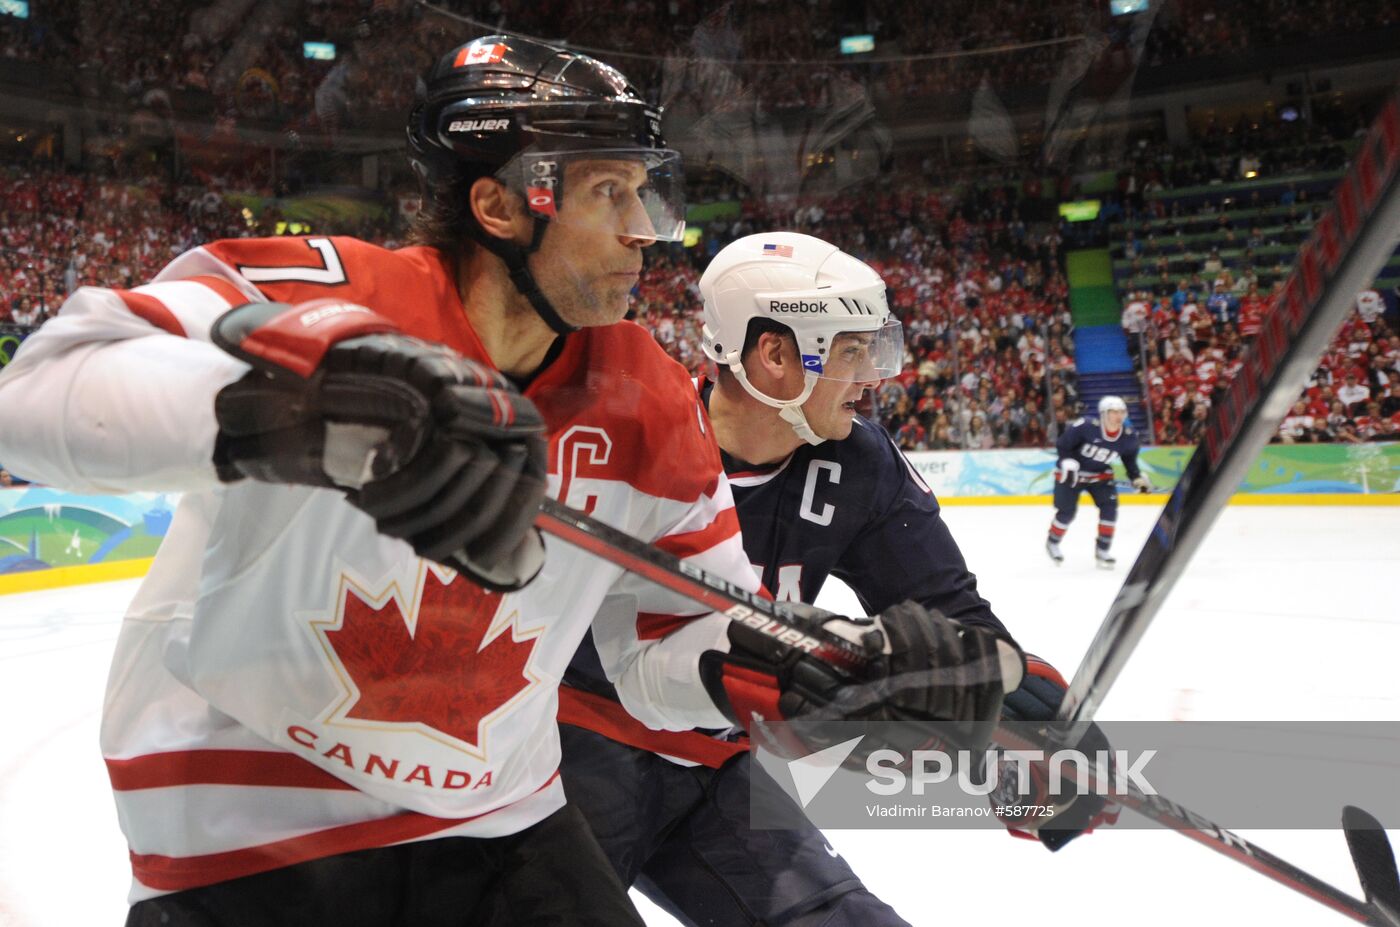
(1020, 805)
(441, 451)
(934, 680)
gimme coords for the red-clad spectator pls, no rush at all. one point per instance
(1252, 309)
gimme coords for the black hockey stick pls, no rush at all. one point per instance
(777, 620)
(1370, 849)
(1374, 861)
(1348, 246)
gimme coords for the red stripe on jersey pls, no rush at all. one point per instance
(652, 625)
(154, 311)
(226, 290)
(177, 873)
(604, 716)
(724, 527)
(219, 767)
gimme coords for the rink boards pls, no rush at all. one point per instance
(49, 538)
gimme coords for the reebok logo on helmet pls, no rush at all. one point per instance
(777, 305)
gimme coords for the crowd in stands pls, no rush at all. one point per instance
(249, 54)
(980, 292)
(1200, 271)
(1272, 142)
(1199, 28)
(1189, 346)
(973, 258)
(61, 230)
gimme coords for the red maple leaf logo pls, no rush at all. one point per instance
(437, 670)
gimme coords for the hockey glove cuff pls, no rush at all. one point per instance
(1037, 700)
(441, 451)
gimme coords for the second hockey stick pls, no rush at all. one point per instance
(1349, 245)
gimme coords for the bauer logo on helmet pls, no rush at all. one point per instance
(478, 125)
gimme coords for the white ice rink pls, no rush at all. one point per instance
(1287, 613)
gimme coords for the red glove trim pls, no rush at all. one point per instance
(1038, 667)
(752, 693)
(298, 338)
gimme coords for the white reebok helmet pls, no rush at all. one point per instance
(1112, 404)
(818, 292)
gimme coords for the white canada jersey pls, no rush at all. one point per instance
(289, 684)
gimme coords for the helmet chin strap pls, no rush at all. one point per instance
(789, 410)
(517, 264)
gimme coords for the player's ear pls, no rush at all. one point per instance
(497, 210)
(773, 354)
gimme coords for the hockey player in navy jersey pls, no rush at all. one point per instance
(1087, 449)
(799, 331)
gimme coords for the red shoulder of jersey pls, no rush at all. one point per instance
(618, 380)
(412, 286)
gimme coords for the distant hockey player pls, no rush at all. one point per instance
(799, 330)
(333, 699)
(1087, 449)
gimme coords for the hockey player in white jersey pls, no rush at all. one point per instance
(333, 699)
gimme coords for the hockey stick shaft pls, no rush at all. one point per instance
(670, 572)
(1349, 245)
(716, 593)
(1168, 813)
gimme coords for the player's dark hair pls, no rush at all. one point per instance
(445, 220)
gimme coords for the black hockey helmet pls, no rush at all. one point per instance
(519, 110)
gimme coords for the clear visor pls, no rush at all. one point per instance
(629, 192)
(858, 356)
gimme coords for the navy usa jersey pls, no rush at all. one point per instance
(1086, 441)
(854, 509)
(857, 510)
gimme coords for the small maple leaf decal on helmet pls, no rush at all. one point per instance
(438, 670)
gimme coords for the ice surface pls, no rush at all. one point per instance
(1287, 613)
